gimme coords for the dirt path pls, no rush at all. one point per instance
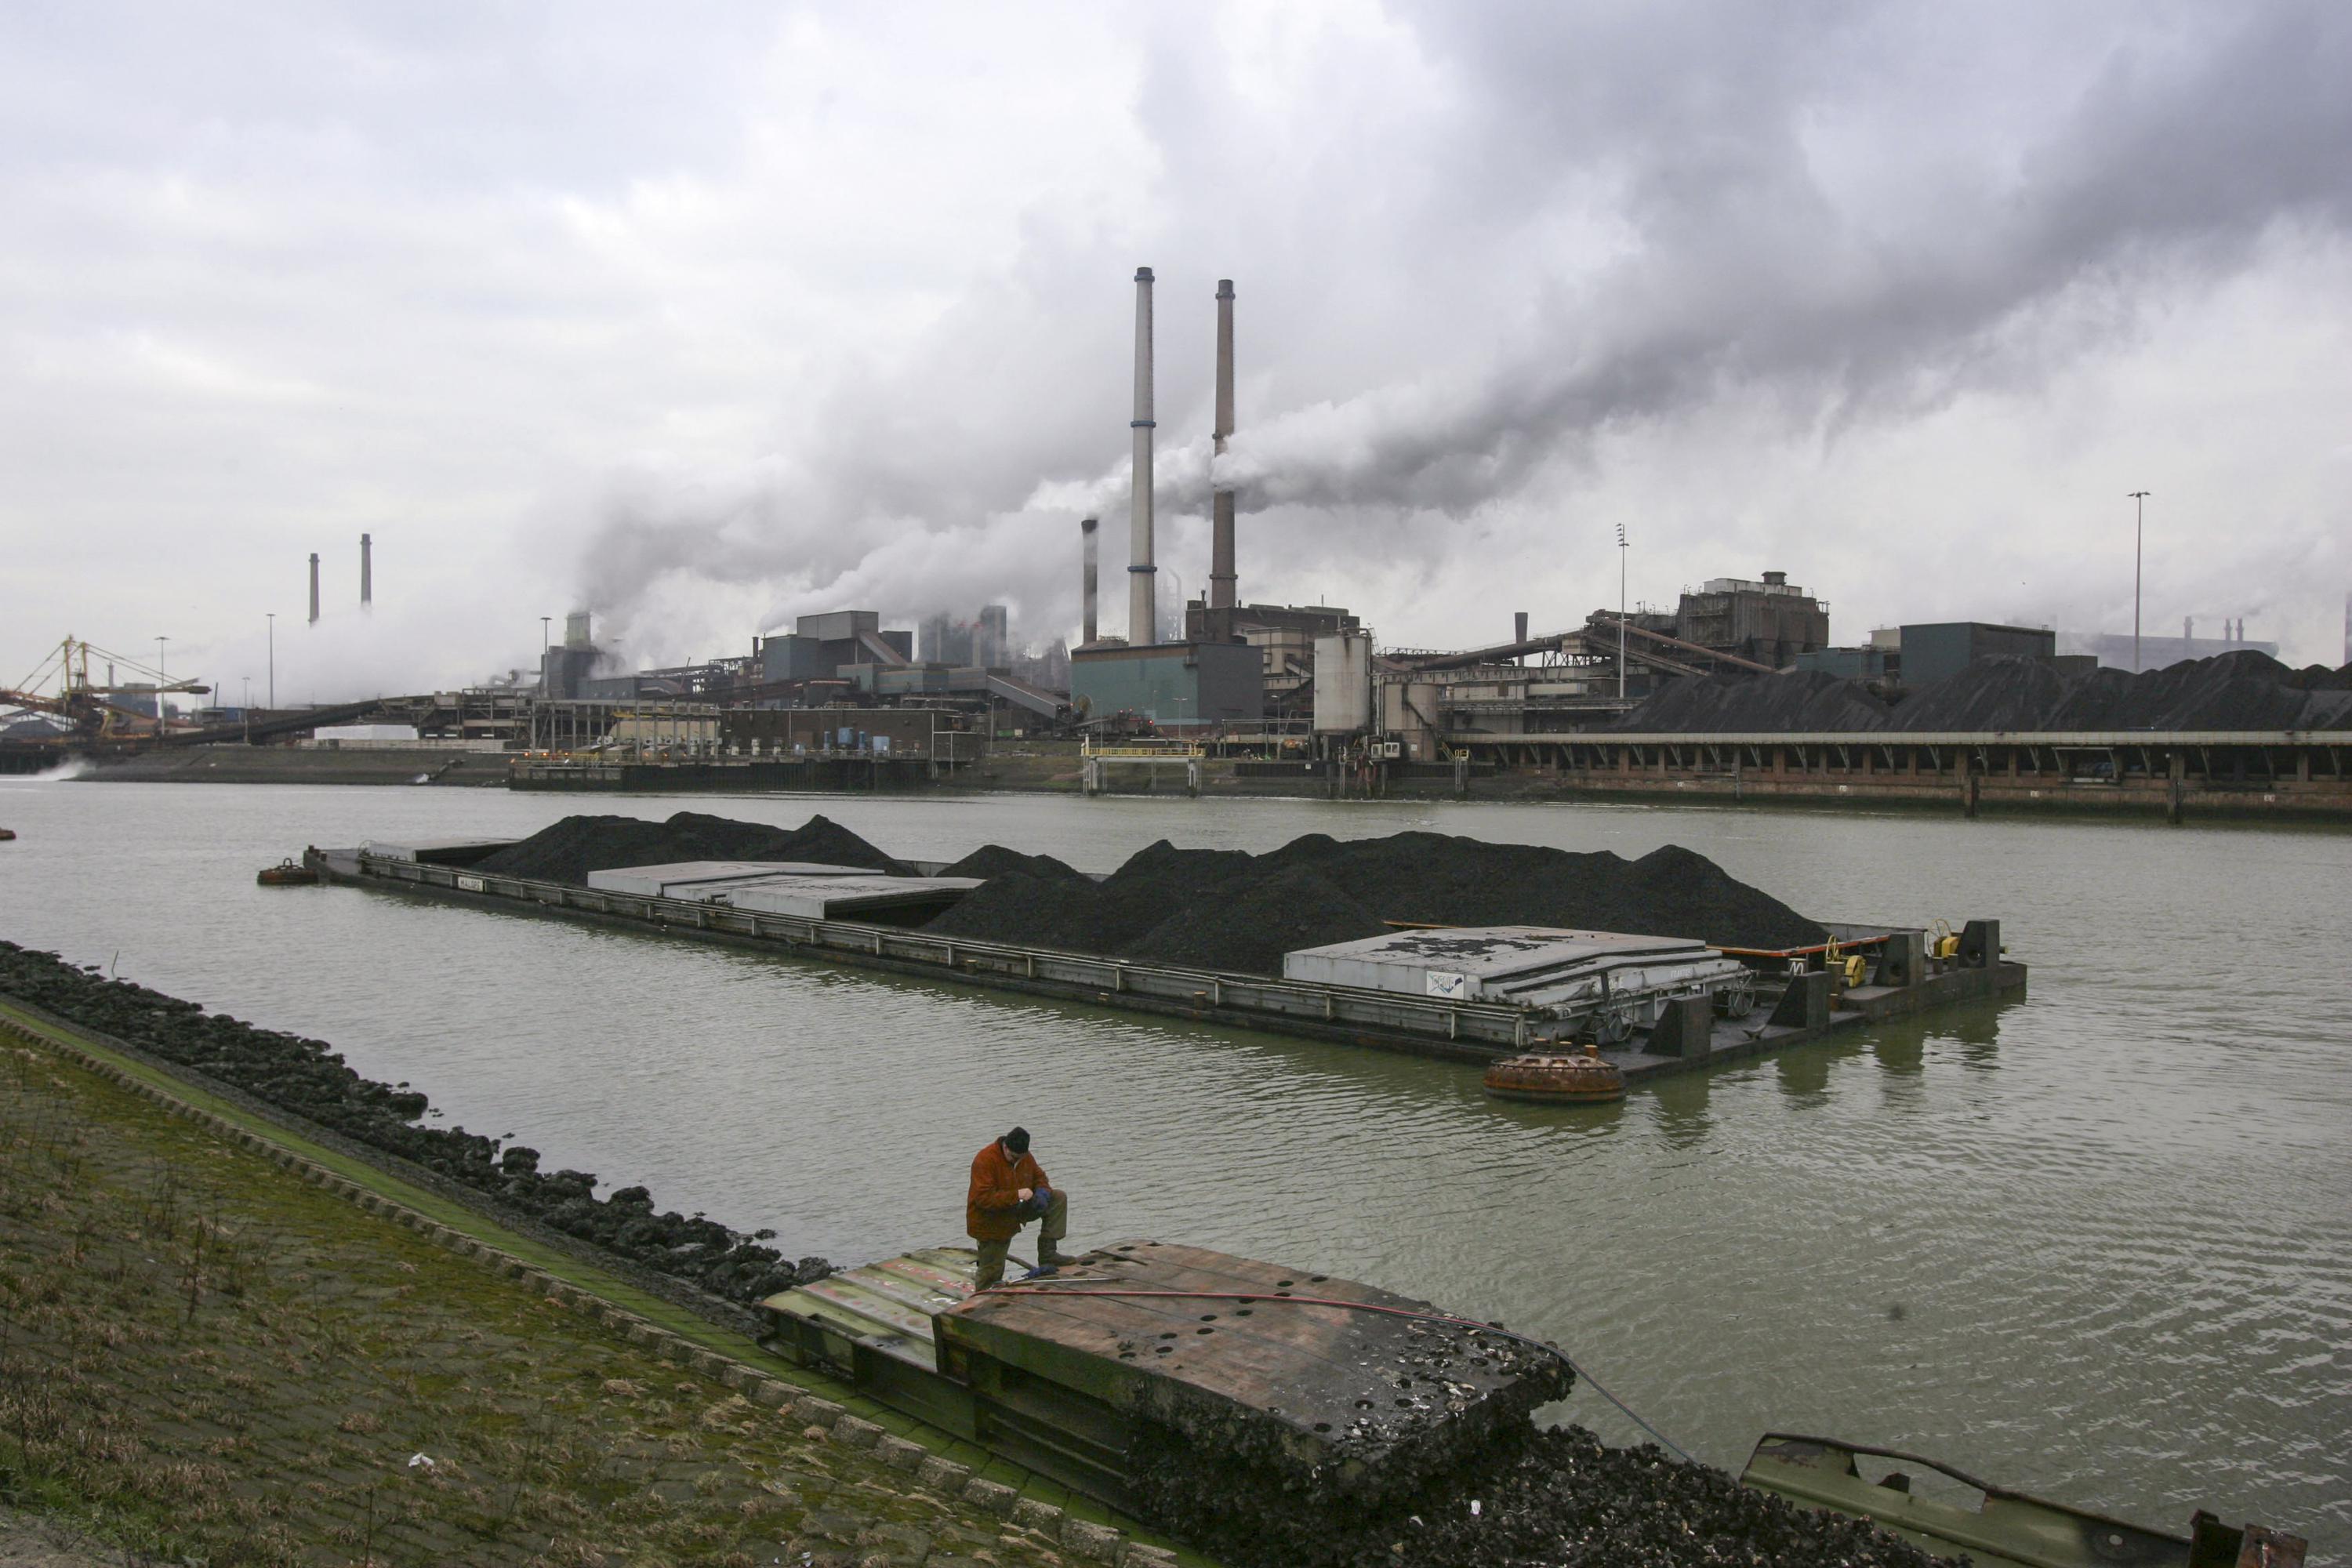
(202, 1355)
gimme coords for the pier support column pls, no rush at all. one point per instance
(1192, 776)
(2177, 786)
(1462, 778)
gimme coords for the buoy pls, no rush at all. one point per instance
(1544, 1077)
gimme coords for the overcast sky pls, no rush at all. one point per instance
(703, 316)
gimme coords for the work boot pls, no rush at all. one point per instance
(1051, 1256)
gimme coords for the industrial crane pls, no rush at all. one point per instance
(61, 686)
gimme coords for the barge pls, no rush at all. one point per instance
(1144, 1363)
(1699, 1012)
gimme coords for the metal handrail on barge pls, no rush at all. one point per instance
(1486, 1023)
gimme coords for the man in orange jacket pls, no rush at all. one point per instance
(1008, 1189)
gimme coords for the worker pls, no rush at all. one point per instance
(1008, 1189)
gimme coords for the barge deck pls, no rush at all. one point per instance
(1800, 995)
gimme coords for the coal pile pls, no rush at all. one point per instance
(2242, 690)
(568, 850)
(307, 1078)
(995, 860)
(1554, 1497)
(1791, 702)
(1227, 910)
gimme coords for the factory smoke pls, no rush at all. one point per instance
(1728, 262)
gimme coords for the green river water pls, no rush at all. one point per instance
(2096, 1243)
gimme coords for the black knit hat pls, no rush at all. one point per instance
(1017, 1140)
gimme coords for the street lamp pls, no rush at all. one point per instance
(159, 681)
(1621, 612)
(272, 619)
(2140, 518)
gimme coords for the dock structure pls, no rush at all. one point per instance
(1096, 762)
(2174, 774)
(1155, 1376)
(1862, 976)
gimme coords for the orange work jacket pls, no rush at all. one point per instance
(997, 1182)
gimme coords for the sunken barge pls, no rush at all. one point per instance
(1650, 1007)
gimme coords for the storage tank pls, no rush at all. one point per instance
(1343, 683)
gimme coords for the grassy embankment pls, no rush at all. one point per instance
(203, 1354)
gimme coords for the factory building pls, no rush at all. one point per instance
(1177, 685)
(566, 668)
(820, 646)
(1285, 637)
(1931, 650)
(1769, 622)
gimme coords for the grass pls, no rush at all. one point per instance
(202, 1356)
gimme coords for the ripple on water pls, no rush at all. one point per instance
(2099, 1243)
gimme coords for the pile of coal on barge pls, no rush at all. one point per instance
(1448, 947)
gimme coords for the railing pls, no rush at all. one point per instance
(1485, 1024)
(1177, 750)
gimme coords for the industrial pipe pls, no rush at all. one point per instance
(1143, 609)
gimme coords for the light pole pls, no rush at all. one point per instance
(159, 681)
(2140, 519)
(272, 619)
(1621, 612)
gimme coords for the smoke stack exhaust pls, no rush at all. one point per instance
(1087, 578)
(1221, 530)
(1142, 604)
(314, 587)
(367, 571)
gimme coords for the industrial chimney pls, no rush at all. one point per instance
(1142, 608)
(314, 587)
(367, 571)
(1087, 578)
(1221, 533)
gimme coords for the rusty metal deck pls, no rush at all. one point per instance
(1244, 1355)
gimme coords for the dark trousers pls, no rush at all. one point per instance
(1052, 1206)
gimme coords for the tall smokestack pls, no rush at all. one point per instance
(1220, 530)
(367, 571)
(1142, 605)
(314, 587)
(1519, 626)
(1087, 577)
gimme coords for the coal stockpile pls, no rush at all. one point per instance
(568, 850)
(995, 860)
(1792, 702)
(307, 1078)
(2242, 690)
(1553, 1497)
(1227, 910)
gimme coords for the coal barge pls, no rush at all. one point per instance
(1652, 1006)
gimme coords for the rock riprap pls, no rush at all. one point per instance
(307, 1078)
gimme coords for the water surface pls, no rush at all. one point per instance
(2096, 1243)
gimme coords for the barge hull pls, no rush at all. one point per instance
(1476, 1033)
